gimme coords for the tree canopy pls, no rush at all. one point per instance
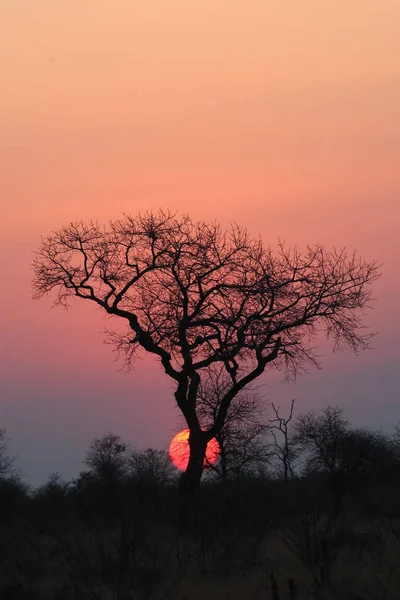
(196, 296)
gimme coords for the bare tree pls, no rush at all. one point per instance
(107, 456)
(194, 295)
(151, 467)
(366, 451)
(242, 439)
(331, 445)
(8, 470)
(396, 440)
(322, 437)
(283, 447)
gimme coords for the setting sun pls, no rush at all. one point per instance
(179, 450)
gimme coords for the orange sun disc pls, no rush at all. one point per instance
(179, 450)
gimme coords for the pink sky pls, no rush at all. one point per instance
(283, 117)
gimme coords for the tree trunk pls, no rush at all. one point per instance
(190, 480)
(223, 461)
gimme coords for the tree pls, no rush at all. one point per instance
(52, 502)
(396, 440)
(8, 469)
(54, 490)
(13, 492)
(195, 296)
(99, 490)
(107, 457)
(333, 446)
(242, 439)
(367, 452)
(322, 437)
(283, 447)
(151, 468)
(347, 454)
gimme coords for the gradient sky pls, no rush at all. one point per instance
(281, 116)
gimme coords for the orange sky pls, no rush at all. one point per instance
(282, 116)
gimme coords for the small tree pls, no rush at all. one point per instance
(8, 470)
(322, 438)
(194, 295)
(106, 457)
(54, 490)
(99, 491)
(283, 448)
(348, 455)
(396, 440)
(242, 439)
(53, 503)
(366, 452)
(151, 468)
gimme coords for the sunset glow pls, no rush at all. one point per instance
(179, 450)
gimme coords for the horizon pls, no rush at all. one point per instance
(285, 121)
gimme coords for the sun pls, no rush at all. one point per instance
(179, 450)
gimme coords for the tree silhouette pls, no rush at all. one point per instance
(194, 295)
(347, 454)
(150, 468)
(396, 440)
(8, 470)
(242, 439)
(107, 456)
(283, 447)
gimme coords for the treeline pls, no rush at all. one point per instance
(298, 508)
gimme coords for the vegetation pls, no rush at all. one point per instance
(328, 527)
(294, 508)
(199, 298)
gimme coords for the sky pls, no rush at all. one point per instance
(281, 116)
